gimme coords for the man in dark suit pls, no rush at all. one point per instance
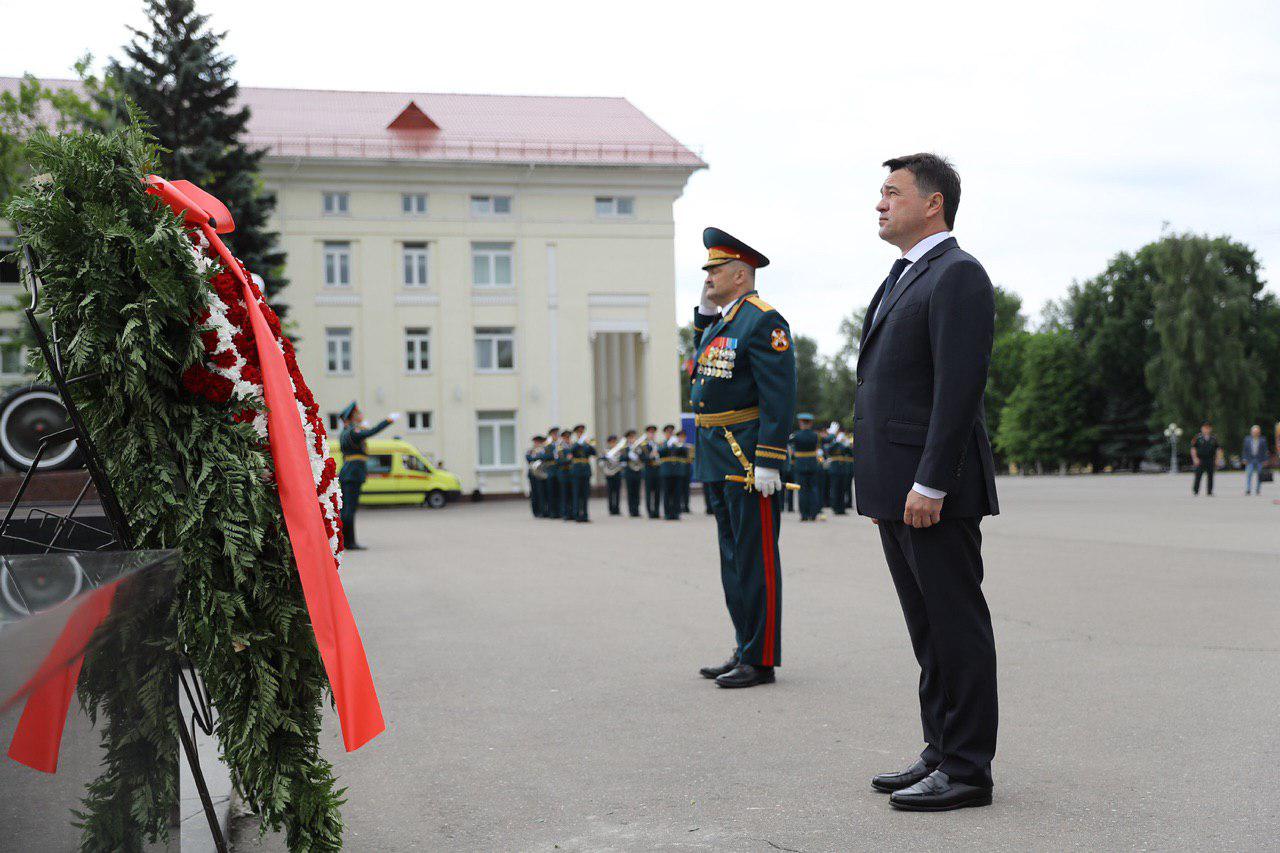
(924, 474)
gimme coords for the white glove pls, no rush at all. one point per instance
(706, 307)
(768, 481)
(393, 417)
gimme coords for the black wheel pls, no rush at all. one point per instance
(27, 415)
(435, 499)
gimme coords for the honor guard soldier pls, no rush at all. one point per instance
(537, 477)
(652, 474)
(355, 466)
(551, 466)
(804, 453)
(633, 474)
(743, 397)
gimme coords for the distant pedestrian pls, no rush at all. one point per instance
(1254, 454)
(1204, 456)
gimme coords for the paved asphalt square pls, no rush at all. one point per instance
(540, 681)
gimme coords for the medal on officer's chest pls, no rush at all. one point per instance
(717, 359)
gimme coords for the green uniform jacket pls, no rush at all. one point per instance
(804, 447)
(351, 443)
(580, 454)
(745, 360)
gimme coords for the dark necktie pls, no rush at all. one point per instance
(895, 273)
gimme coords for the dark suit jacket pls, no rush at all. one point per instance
(922, 372)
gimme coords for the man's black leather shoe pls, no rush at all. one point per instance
(354, 547)
(937, 793)
(717, 671)
(746, 675)
(890, 782)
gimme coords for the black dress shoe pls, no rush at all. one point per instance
(937, 793)
(717, 671)
(355, 547)
(746, 675)
(890, 782)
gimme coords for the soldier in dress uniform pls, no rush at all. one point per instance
(652, 473)
(838, 463)
(580, 453)
(686, 469)
(564, 464)
(804, 452)
(355, 466)
(848, 467)
(633, 474)
(537, 485)
(613, 482)
(551, 466)
(670, 461)
(744, 397)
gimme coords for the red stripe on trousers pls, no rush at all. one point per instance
(770, 583)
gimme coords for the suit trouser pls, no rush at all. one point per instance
(350, 503)
(1203, 470)
(633, 492)
(670, 497)
(613, 486)
(750, 569)
(653, 492)
(938, 574)
(552, 505)
(581, 495)
(810, 500)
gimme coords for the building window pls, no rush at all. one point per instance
(496, 439)
(495, 349)
(615, 205)
(413, 204)
(13, 355)
(491, 205)
(335, 421)
(337, 344)
(415, 264)
(492, 264)
(337, 264)
(417, 350)
(337, 204)
(419, 422)
(9, 273)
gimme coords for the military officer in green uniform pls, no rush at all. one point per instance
(564, 465)
(670, 463)
(355, 466)
(744, 397)
(633, 474)
(580, 453)
(804, 453)
(552, 467)
(652, 473)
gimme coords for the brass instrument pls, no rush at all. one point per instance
(635, 464)
(611, 462)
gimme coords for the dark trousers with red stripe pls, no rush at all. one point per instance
(750, 569)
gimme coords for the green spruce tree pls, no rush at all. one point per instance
(176, 72)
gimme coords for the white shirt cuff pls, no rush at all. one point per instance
(702, 313)
(932, 494)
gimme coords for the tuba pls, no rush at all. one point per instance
(611, 462)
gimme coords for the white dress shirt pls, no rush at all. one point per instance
(915, 253)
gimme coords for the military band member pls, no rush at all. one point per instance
(686, 469)
(836, 463)
(537, 485)
(580, 453)
(744, 398)
(355, 466)
(652, 474)
(613, 482)
(671, 460)
(564, 464)
(633, 474)
(804, 452)
(551, 466)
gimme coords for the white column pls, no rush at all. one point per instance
(553, 329)
(628, 386)
(613, 357)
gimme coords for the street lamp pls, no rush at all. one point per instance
(1172, 432)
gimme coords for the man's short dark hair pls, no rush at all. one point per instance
(933, 174)
(1207, 424)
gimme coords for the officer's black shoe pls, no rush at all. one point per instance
(890, 782)
(354, 547)
(746, 675)
(937, 793)
(717, 671)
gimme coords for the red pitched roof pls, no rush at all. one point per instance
(491, 128)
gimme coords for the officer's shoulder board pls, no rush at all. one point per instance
(760, 303)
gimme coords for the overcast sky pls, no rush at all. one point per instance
(1078, 131)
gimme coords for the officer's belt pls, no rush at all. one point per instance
(729, 418)
(805, 454)
(355, 457)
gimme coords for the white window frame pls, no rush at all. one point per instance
(493, 335)
(417, 268)
(333, 335)
(8, 338)
(413, 421)
(417, 349)
(335, 203)
(614, 204)
(485, 205)
(339, 251)
(414, 204)
(490, 251)
(495, 422)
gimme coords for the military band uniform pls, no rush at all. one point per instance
(652, 479)
(355, 470)
(537, 487)
(633, 475)
(552, 484)
(686, 481)
(745, 383)
(564, 465)
(670, 463)
(804, 453)
(613, 491)
(838, 475)
(580, 454)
